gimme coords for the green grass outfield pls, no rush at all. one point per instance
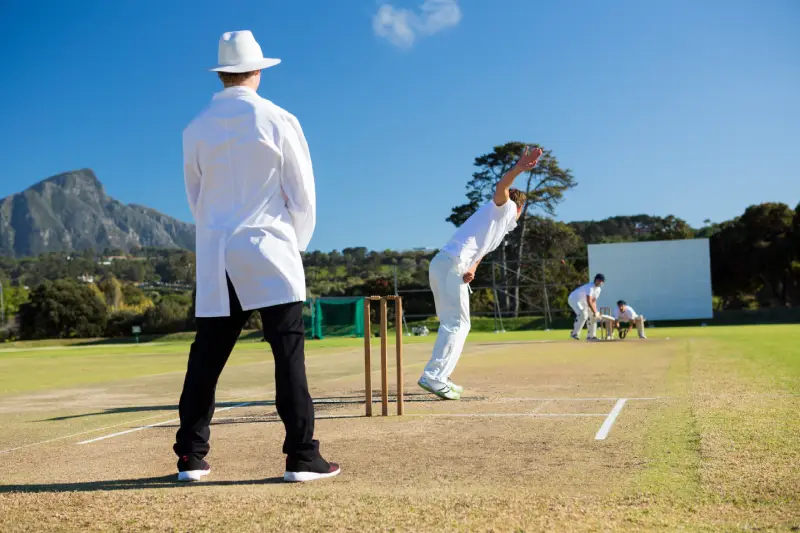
(37, 365)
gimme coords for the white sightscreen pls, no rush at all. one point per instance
(662, 280)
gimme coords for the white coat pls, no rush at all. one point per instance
(250, 186)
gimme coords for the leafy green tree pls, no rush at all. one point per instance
(632, 228)
(63, 309)
(177, 267)
(112, 291)
(167, 316)
(132, 295)
(550, 239)
(558, 261)
(796, 232)
(670, 229)
(120, 323)
(14, 297)
(753, 254)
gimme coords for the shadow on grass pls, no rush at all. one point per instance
(160, 482)
(337, 400)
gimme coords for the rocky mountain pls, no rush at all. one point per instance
(72, 211)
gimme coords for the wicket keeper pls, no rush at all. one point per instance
(624, 314)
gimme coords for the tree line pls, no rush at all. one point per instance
(755, 262)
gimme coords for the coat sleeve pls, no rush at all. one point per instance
(191, 174)
(297, 182)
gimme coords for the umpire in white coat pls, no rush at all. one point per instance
(250, 186)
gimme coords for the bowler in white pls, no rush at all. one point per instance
(583, 302)
(453, 268)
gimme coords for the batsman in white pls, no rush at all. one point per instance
(453, 268)
(583, 301)
(624, 314)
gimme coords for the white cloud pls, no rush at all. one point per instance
(402, 27)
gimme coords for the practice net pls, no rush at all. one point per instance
(336, 317)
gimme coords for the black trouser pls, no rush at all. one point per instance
(215, 339)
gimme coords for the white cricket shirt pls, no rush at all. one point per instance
(627, 316)
(482, 233)
(250, 186)
(580, 294)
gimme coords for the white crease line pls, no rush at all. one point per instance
(541, 406)
(80, 433)
(517, 399)
(598, 399)
(276, 418)
(533, 415)
(140, 428)
(609, 421)
(467, 415)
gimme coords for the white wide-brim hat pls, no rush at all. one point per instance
(239, 52)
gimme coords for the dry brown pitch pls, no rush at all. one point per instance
(708, 440)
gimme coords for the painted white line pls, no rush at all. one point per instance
(127, 431)
(445, 415)
(95, 430)
(531, 415)
(609, 421)
(276, 418)
(140, 428)
(78, 347)
(511, 399)
(79, 434)
(541, 406)
(597, 399)
(507, 343)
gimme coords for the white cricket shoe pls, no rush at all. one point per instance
(458, 389)
(442, 390)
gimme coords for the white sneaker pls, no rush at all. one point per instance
(444, 392)
(458, 389)
(191, 469)
(574, 337)
(303, 473)
(642, 336)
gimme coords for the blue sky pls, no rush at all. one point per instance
(682, 107)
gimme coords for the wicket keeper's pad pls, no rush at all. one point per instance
(337, 317)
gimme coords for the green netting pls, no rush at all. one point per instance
(338, 317)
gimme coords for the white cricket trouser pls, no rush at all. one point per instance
(451, 297)
(639, 322)
(582, 315)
